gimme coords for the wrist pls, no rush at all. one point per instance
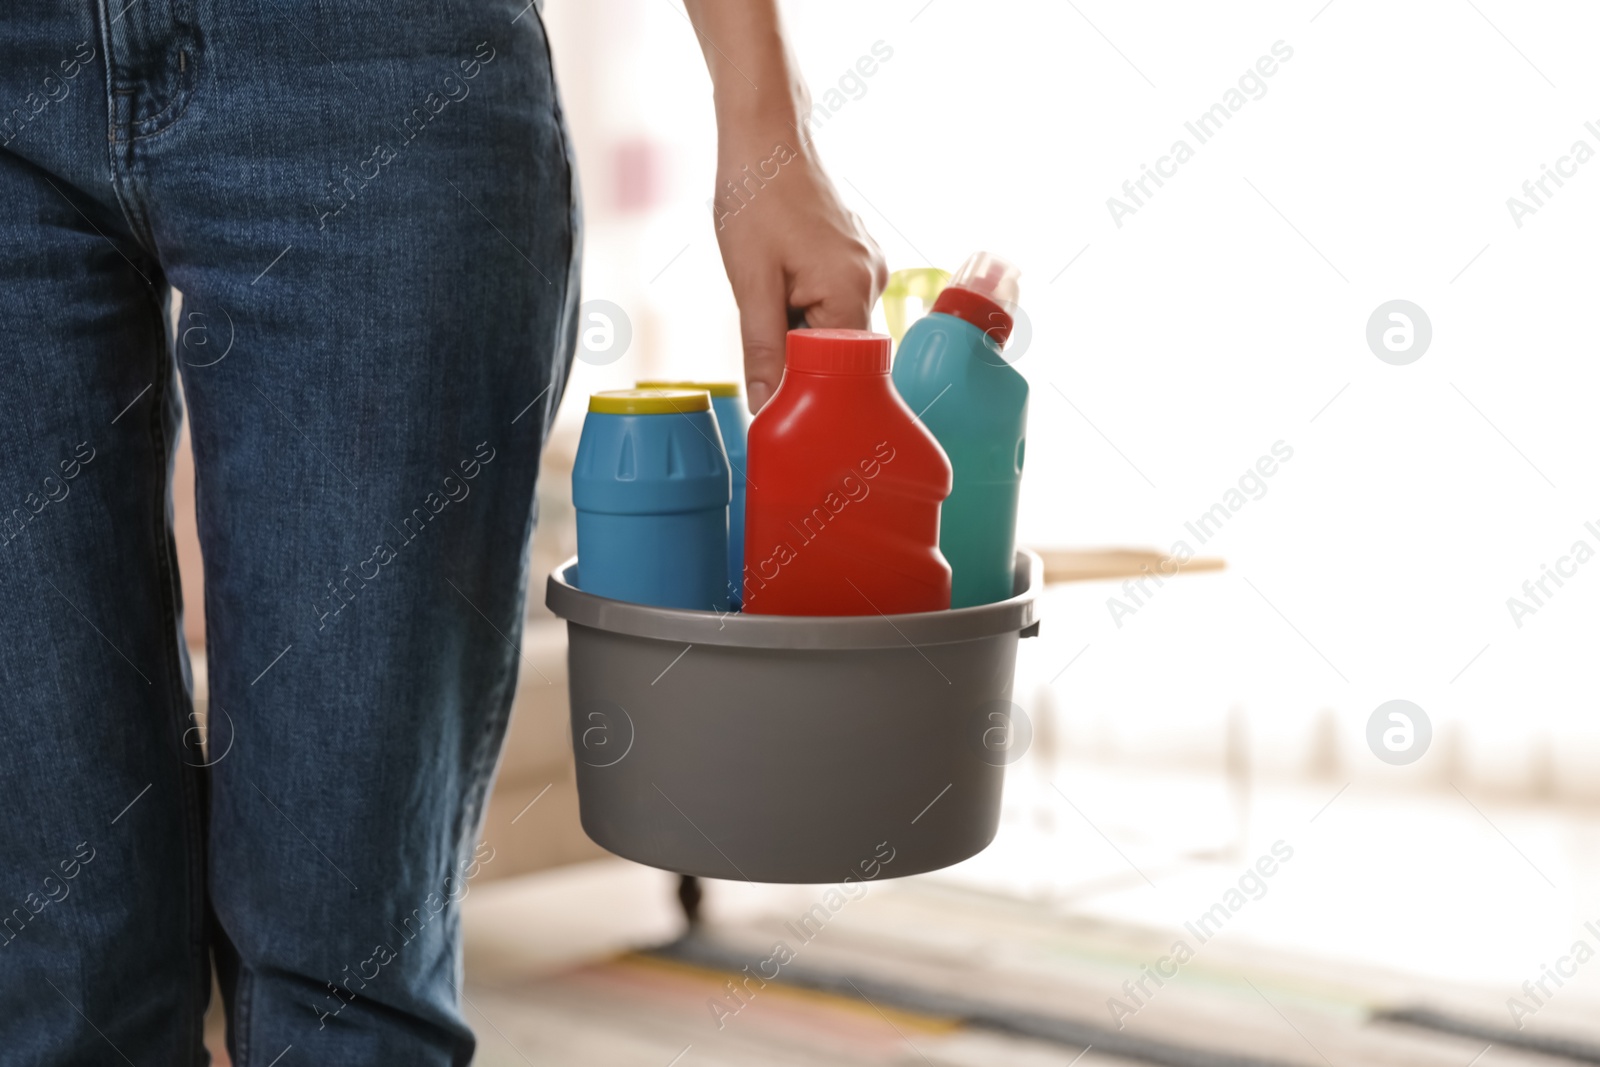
(745, 114)
(747, 137)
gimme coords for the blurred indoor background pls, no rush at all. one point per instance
(1178, 731)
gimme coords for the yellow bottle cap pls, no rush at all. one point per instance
(714, 388)
(649, 401)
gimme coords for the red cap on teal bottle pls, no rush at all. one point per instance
(983, 292)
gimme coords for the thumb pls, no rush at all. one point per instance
(763, 324)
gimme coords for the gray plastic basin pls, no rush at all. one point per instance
(791, 748)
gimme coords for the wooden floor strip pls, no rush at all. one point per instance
(1570, 1048)
(701, 951)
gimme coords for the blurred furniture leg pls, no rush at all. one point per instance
(689, 894)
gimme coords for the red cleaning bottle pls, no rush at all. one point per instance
(842, 512)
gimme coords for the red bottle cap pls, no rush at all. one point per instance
(977, 309)
(983, 292)
(837, 352)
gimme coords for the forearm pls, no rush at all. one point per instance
(754, 80)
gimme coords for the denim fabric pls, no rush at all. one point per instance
(370, 211)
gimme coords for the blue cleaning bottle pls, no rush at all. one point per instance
(952, 372)
(728, 405)
(650, 486)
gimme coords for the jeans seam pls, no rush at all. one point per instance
(486, 756)
(244, 986)
(167, 119)
(561, 367)
(120, 167)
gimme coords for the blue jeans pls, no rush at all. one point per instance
(370, 211)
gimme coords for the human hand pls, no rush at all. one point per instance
(788, 241)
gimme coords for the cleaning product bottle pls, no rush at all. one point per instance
(951, 372)
(728, 406)
(842, 516)
(650, 487)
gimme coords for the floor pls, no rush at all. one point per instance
(1377, 899)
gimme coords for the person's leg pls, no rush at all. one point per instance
(102, 919)
(368, 208)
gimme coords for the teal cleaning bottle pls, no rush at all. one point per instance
(950, 371)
